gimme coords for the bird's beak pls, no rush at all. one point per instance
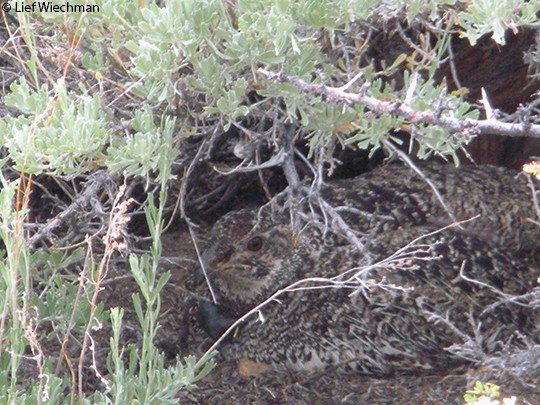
(215, 320)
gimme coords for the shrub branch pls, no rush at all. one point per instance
(402, 109)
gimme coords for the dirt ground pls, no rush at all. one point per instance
(225, 385)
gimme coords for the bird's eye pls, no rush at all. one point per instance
(255, 244)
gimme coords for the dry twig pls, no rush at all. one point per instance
(94, 186)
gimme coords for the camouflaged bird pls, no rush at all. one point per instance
(396, 313)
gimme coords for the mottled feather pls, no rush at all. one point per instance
(400, 321)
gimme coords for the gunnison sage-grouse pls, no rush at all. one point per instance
(387, 290)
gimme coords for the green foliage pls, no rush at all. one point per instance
(484, 16)
(212, 50)
(146, 380)
(20, 318)
(429, 97)
(532, 168)
(13, 276)
(147, 151)
(30, 320)
(66, 134)
(487, 394)
(173, 36)
(480, 391)
(57, 318)
(50, 391)
(62, 133)
(153, 383)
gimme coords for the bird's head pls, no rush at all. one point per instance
(253, 253)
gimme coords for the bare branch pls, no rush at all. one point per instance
(276, 160)
(398, 108)
(94, 185)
